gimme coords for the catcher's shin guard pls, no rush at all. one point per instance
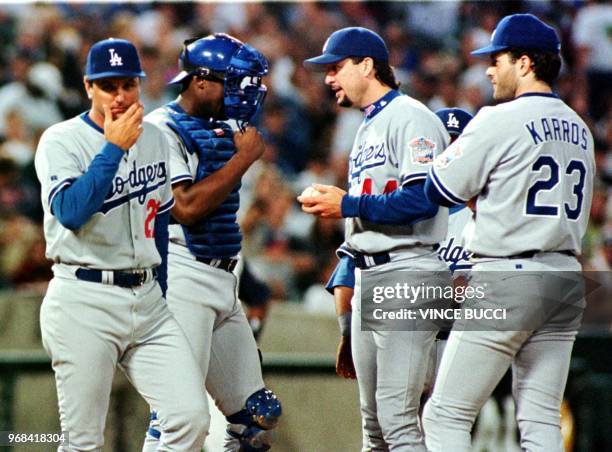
(262, 409)
(249, 426)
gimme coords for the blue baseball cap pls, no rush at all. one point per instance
(351, 42)
(522, 31)
(113, 58)
(454, 119)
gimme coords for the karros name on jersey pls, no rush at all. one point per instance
(144, 179)
(369, 156)
(555, 129)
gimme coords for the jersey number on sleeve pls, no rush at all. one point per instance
(390, 186)
(149, 225)
(548, 184)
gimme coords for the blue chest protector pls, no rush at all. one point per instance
(217, 235)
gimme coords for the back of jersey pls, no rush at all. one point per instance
(532, 161)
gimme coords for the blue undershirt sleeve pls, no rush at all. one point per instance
(344, 275)
(74, 205)
(407, 205)
(161, 242)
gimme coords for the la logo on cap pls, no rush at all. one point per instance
(115, 59)
(452, 121)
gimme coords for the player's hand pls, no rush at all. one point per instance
(344, 359)
(326, 205)
(249, 143)
(125, 130)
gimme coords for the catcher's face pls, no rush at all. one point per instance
(347, 81)
(503, 75)
(119, 93)
(208, 98)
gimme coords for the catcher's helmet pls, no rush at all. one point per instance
(237, 65)
(113, 58)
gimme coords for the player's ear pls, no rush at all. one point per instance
(368, 66)
(525, 64)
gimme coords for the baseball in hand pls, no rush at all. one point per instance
(310, 192)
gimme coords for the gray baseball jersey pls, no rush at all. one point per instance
(89, 328)
(534, 183)
(393, 148)
(140, 191)
(538, 171)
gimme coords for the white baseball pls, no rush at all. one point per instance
(311, 192)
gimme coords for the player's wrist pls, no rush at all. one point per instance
(344, 322)
(243, 160)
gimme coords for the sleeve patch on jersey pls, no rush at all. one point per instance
(445, 159)
(422, 150)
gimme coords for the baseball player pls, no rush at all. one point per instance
(390, 226)
(220, 79)
(451, 249)
(342, 281)
(106, 197)
(529, 161)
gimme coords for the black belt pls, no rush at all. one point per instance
(370, 260)
(116, 277)
(363, 260)
(524, 255)
(228, 264)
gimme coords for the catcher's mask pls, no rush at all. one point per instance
(237, 65)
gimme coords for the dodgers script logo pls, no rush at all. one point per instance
(142, 180)
(455, 255)
(368, 156)
(115, 59)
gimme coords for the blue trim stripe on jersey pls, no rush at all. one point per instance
(110, 205)
(413, 177)
(167, 206)
(181, 178)
(174, 106)
(378, 106)
(85, 117)
(553, 95)
(58, 187)
(449, 195)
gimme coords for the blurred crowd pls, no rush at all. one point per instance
(42, 54)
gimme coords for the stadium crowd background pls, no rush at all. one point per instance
(43, 49)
